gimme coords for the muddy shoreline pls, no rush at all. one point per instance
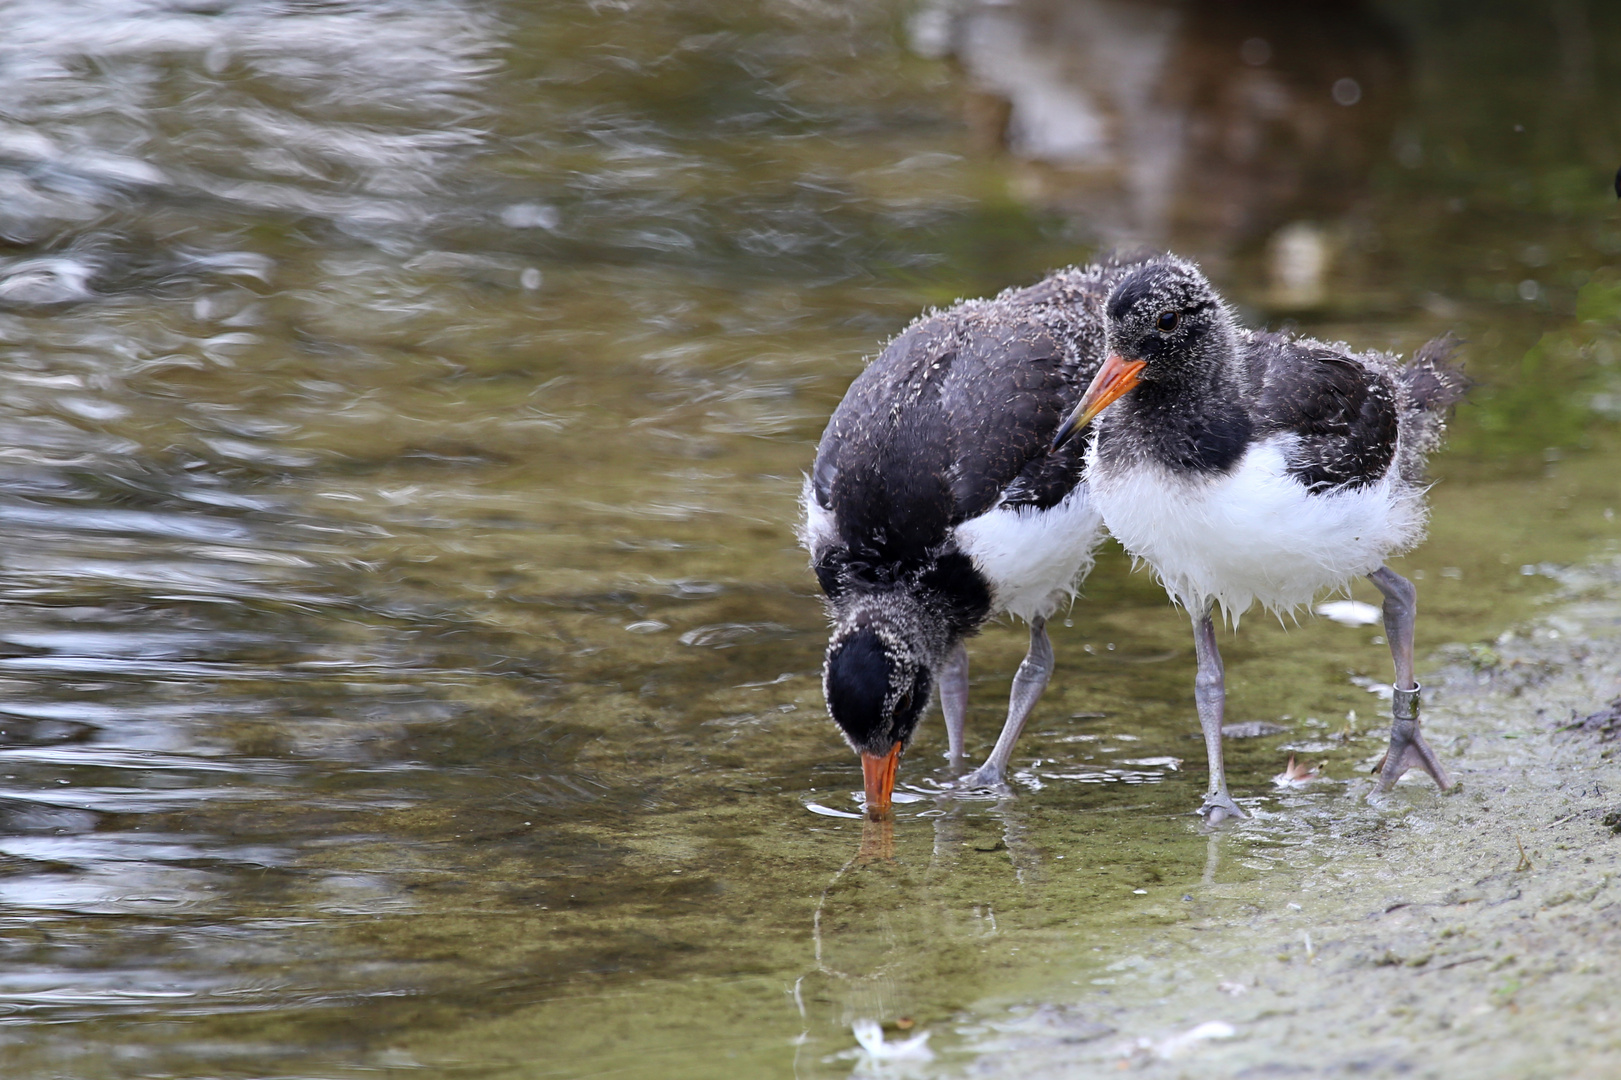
(1468, 934)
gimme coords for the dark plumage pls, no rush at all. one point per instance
(936, 501)
(1246, 466)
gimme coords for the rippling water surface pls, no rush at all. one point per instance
(405, 662)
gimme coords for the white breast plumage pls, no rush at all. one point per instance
(1255, 534)
(817, 527)
(1033, 558)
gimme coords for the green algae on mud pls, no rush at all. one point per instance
(1424, 934)
(1467, 934)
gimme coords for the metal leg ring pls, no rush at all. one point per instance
(1404, 703)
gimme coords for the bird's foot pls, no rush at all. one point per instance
(985, 778)
(1408, 752)
(1407, 746)
(1218, 807)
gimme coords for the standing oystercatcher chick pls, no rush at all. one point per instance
(938, 500)
(1251, 467)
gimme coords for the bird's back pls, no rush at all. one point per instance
(956, 416)
(1352, 415)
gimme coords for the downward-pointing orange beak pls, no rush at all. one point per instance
(879, 774)
(1114, 378)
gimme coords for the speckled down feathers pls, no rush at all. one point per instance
(954, 418)
(936, 499)
(1257, 467)
(1354, 412)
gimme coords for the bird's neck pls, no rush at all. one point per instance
(911, 617)
(1195, 422)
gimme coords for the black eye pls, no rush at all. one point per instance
(1167, 321)
(904, 703)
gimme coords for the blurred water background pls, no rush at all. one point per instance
(406, 667)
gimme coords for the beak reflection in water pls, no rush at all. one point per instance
(877, 840)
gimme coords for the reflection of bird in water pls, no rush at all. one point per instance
(900, 930)
(1246, 466)
(1205, 127)
(936, 501)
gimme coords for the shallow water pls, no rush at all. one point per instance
(407, 663)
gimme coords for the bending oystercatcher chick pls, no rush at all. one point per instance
(937, 501)
(1252, 467)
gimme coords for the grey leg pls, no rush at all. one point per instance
(1024, 856)
(1407, 746)
(1028, 683)
(949, 837)
(1210, 695)
(954, 699)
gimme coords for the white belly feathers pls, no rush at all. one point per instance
(1033, 558)
(1255, 533)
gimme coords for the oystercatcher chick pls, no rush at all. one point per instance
(1248, 467)
(938, 500)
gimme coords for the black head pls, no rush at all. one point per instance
(1166, 314)
(876, 687)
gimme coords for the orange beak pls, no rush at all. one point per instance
(1113, 379)
(879, 774)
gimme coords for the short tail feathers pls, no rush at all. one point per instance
(1434, 382)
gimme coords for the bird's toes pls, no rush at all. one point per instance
(1218, 807)
(984, 778)
(1411, 752)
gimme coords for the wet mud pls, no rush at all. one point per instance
(1467, 934)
